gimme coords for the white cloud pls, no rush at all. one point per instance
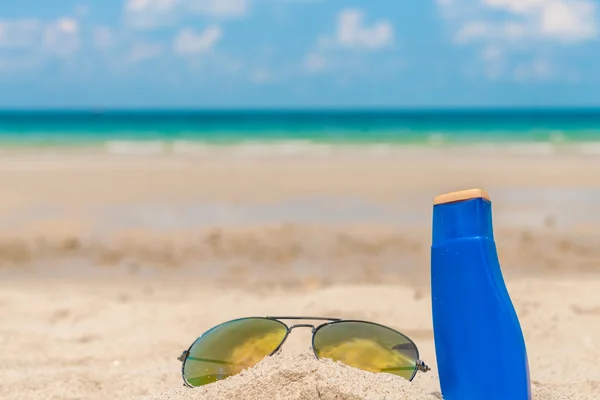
(472, 30)
(485, 30)
(345, 48)
(516, 6)
(60, 37)
(520, 27)
(20, 33)
(291, 1)
(315, 62)
(494, 60)
(261, 76)
(102, 37)
(219, 8)
(190, 42)
(146, 5)
(538, 69)
(29, 43)
(352, 32)
(575, 20)
(144, 51)
(492, 54)
(554, 20)
(150, 14)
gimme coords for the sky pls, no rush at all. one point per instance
(299, 53)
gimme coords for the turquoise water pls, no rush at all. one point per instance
(224, 127)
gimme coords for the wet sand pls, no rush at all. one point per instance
(111, 265)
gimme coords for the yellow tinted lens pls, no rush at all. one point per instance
(232, 347)
(367, 346)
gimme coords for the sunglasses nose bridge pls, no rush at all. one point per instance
(313, 328)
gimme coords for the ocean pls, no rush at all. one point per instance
(356, 127)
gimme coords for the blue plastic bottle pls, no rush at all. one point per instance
(479, 344)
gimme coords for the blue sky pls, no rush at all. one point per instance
(299, 53)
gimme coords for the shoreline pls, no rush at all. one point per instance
(436, 146)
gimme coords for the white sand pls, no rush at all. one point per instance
(98, 339)
(111, 266)
(300, 376)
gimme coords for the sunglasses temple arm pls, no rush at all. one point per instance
(398, 369)
(421, 366)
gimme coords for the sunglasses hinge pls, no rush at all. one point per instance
(183, 356)
(421, 366)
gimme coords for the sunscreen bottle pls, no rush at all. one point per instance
(479, 344)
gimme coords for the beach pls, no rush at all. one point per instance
(111, 264)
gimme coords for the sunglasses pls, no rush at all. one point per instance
(231, 347)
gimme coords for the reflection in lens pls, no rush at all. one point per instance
(367, 346)
(230, 348)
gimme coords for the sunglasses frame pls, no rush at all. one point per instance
(419, 364)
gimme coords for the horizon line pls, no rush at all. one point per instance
(314, 109)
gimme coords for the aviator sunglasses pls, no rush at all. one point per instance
(231, 347)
